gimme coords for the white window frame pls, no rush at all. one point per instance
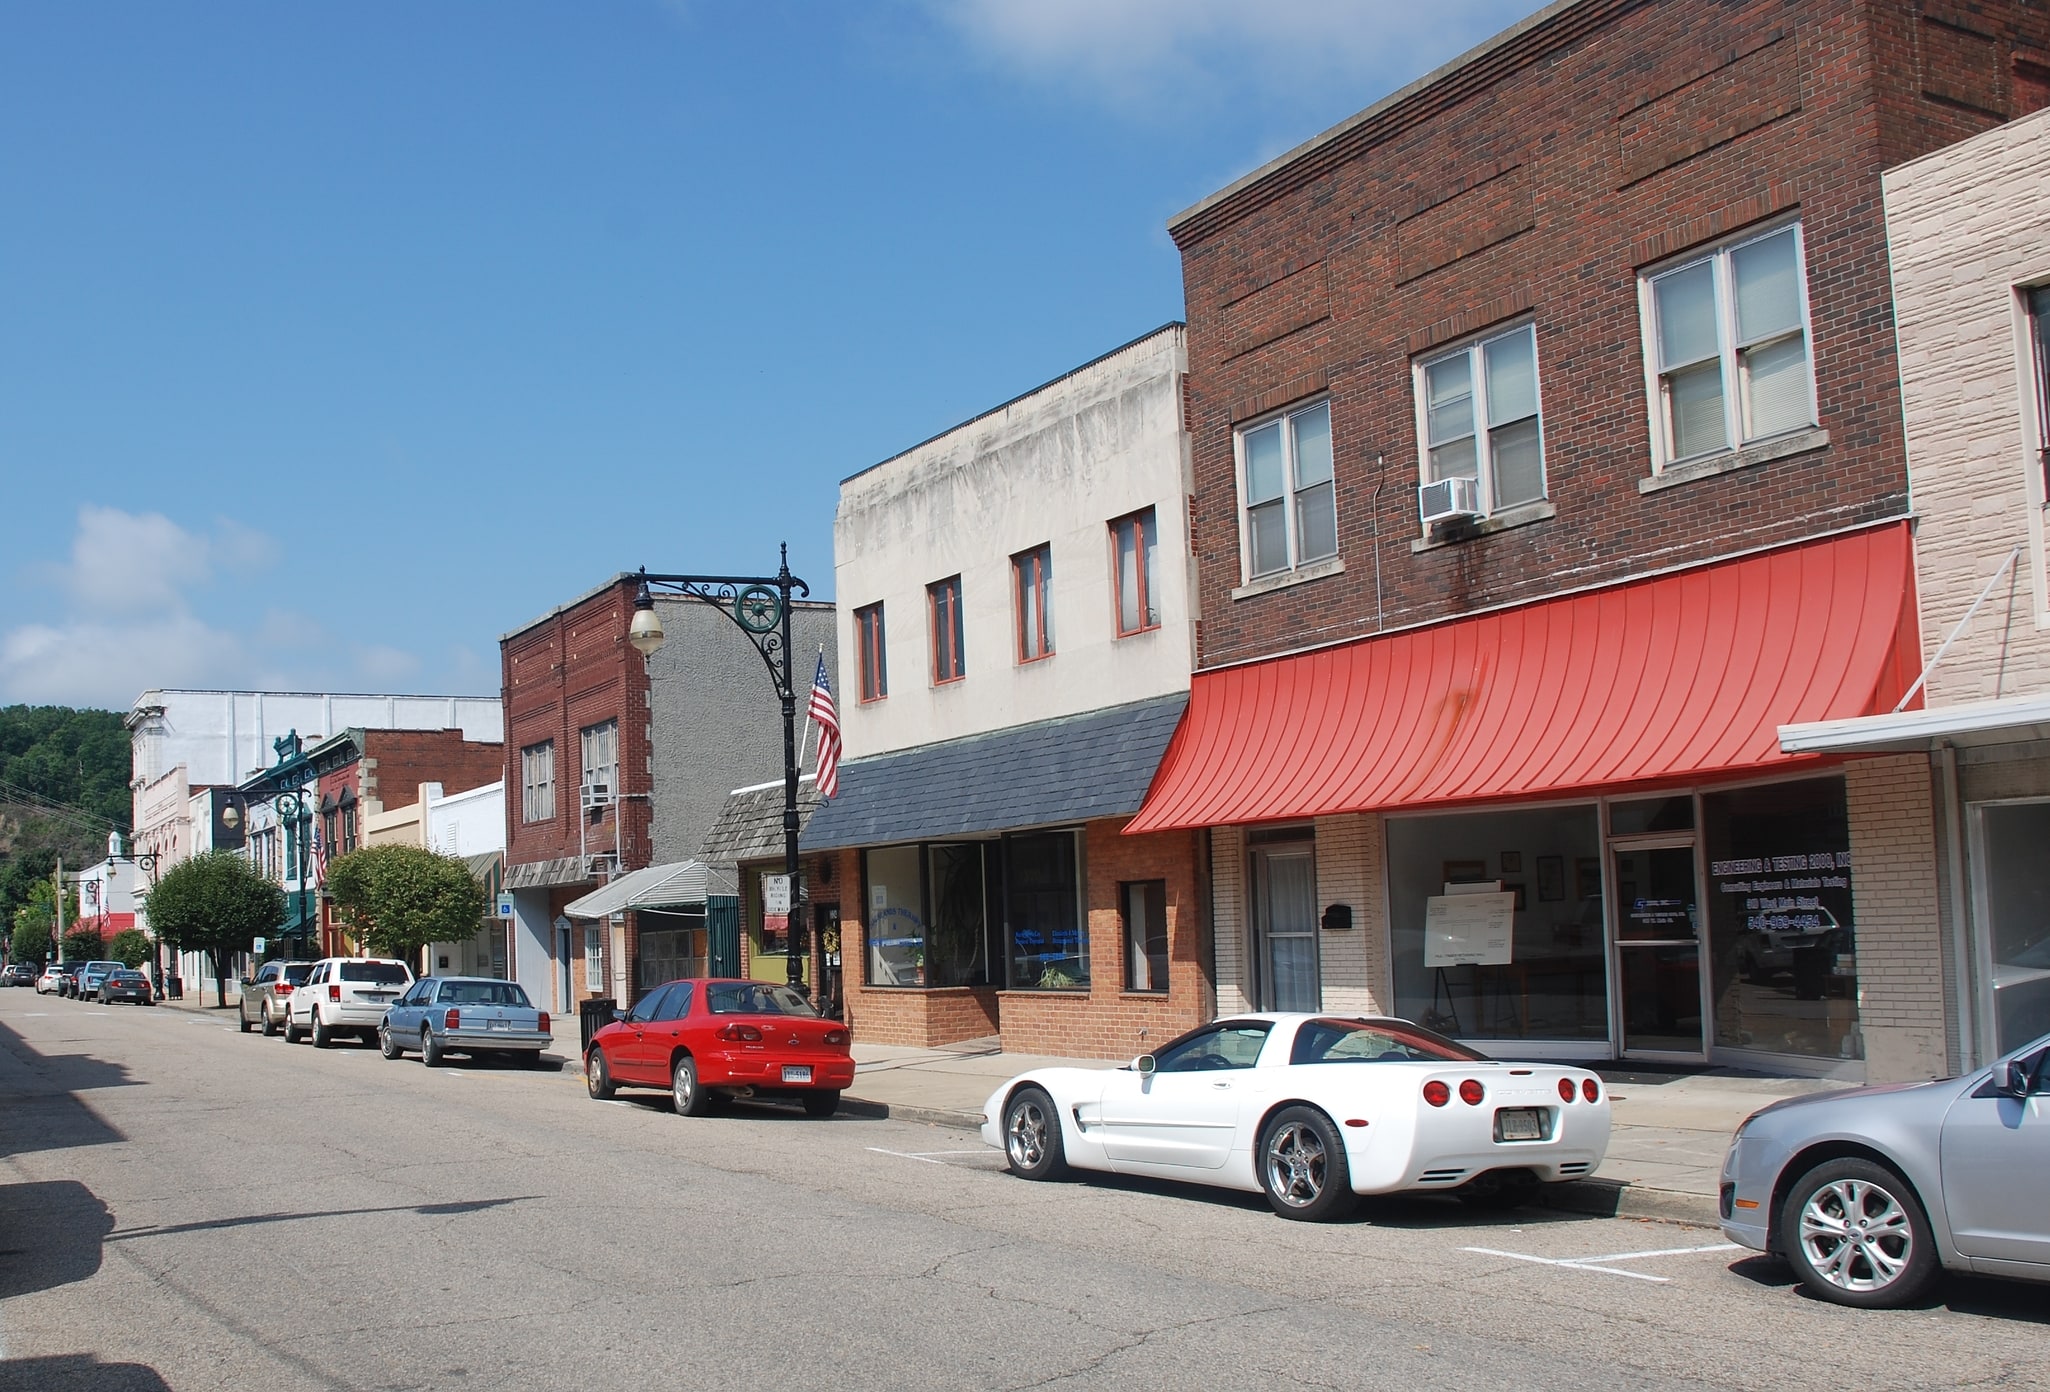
(606, 760)
(2036, 325)
(1291, 490)
(1473, 350)
(594, 957)
(1719, 255)
(537, 784)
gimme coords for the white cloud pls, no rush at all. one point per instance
(1160, 55)
(127, 614)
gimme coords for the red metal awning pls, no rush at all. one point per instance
(1683, 676)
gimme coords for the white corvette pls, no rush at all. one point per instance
(1311, 1110)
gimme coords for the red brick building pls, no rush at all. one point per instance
(1547, 457)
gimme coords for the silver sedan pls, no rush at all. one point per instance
(1869, 1193)
(474, 1015)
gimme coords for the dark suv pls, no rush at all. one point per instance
(265, 995)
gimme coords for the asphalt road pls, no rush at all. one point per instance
(186, 1207)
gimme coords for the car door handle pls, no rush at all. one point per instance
(1221, 1085)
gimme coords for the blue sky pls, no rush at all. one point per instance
(336, 340)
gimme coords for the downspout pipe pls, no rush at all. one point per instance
(1966, 973)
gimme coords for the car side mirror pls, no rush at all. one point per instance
(1144, 1065)
(619, 1017)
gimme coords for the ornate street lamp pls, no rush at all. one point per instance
(759, 605)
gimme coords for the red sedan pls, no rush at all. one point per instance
(708, 1041)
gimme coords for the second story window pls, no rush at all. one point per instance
(601, 762)
(1032, 572)
(1133, 542)
(1288, 511)
(943, 598)
(1727, 335)
(1478, 414)
(2039, 372)
(537, 782)
(868, 638)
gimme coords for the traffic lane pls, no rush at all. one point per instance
(493, 1225)
(1399, 1276)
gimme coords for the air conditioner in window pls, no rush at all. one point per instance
(1449, 500)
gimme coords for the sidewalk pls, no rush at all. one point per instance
(1665, 1152)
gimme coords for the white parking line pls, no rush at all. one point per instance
(927, 1155)
(1600, 1264)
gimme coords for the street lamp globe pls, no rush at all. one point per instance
(645, 632)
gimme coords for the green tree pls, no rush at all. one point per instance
(217, 904)
(397, 899)
(31, 942)
(131, 947)
(63, 786)
(37, 914)
(84, 945)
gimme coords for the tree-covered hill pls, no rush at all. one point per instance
(63, 787)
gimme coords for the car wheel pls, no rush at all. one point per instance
(293, 1034)
(270, 1023)
(1302, 1166)
(1032, 1136)
(1856, 1234)
(430, 1049)
(597, 1077)
(243, 1020)
(821, 1104)
(684, 1093)
(322, 1035)
(386, 1045)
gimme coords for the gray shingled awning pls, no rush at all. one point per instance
(1068, 770)
(657, 887)
(750, 825)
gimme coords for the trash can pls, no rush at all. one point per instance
(592, 1016)
(174, 986)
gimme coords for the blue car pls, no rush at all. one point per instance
(474, 1015)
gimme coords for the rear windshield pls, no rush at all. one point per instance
(1374, 1041)
(483, 993)
(296, 974)
(126, 976)
(383, 973)
(755, 998)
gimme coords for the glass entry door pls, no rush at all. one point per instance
(1658, 947)
(1285, 927)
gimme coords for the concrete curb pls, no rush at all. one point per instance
(897, 1111)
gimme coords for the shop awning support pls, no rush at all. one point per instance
(1951, 637)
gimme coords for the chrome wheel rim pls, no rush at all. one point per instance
(683, 1086)
(1296, 1164)
(1025, 1135)
(1856, 1235)
(594, 1072)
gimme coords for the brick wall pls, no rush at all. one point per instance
(1538, 180)
(396, 762)
(1966, 226)
(1895, 892)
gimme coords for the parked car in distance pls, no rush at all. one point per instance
(64, 977)
(1870, 1193)
(709, 1041)
(128, 985)
(266, 996)
(473, 1015)
(20, 974)
(52, 978)
(1310, 1110)
(344, 994)
(91, 975)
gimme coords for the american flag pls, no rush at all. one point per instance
(319, 857)
(821, 713)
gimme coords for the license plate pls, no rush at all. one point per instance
(1520, 1124)
(498, 1024)
(796, 1072)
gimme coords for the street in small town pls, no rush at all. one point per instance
(189, 1207)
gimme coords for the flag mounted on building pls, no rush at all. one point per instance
(822, 714)
(319, 857)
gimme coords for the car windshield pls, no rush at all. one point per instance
(381, 973)
(1374, 1041)
(483, 993)
(755, 998)
(126, 976)
(296, 974)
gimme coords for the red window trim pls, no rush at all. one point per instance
(873, 671)
(1151, 523)
(945, 634)
(1040, 558)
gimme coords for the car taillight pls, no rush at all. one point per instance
(736, 1034)
(1471, 1093)
(544, 1023)
(1590, 1089)
(334, 990)
(1436, 1093)
(1565, 1089)
(836, 1036)
(452, 1020)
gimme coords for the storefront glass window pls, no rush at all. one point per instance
(1672, 813)
(954, 937)
(896, 917)
(927, 908)
(1781, 937)
(1533, 966)
(2012, 838)
(1043, 898)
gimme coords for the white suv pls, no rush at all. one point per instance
(344, 994)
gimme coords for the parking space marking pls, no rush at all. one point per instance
(928, 1156)
(1601, 1264)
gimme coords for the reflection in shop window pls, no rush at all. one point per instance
(1043, 893)
(927, 908)
(2016, 890)
(1782, 941)
(1554, 981)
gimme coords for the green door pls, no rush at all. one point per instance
(722, 919)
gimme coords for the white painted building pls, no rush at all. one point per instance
(469, 825)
